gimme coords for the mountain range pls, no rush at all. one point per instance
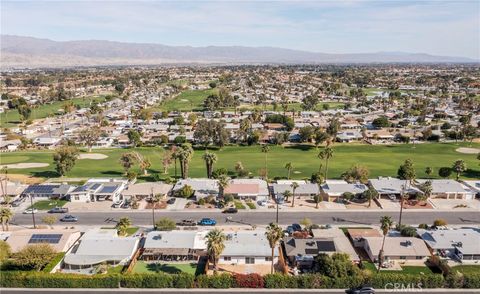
(29, 52)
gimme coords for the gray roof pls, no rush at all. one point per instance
(338, 188)
(449, 239)
(247, 243)
(176, 239)
(309, 247)
(445, 186)
(391, 186)
(200, 186)
(307, 188)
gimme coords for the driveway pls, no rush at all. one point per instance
(178, 205)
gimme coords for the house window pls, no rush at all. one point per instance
(77, 197)
(403, 257)
(419, 257)
(227, 258)
(268, 258)
(250, 260)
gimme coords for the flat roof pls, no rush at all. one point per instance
(247, 243)
(466, 240)
(176, 239)
(60, 240)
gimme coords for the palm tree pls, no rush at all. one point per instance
(5, 216)
(215, 245)
(274, 234)
(294, 186)
(123, 224)
(459, 167)
(385, 225)
(326, 154)
(154, 199)
(426, 188)
(223, 182)
(209, 158)
(266, 149)
(289, 167)
(185, 154)
(286, 194)
(317, 199)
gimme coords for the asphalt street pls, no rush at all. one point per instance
(265, 217)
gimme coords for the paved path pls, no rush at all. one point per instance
(262, 217)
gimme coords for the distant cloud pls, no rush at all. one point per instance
(436, 27)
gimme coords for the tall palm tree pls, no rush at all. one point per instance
(5, 216)
(385, 225)
(123, 224)
(154, 199)
(274, 234)
(223, 182)
(266, 149)
(215, 245)
(286, 194)
(289, 167)
(185, 155)
(294, 186)
(210, 159)
(326, 154)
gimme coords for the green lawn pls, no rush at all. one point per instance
(171, 268)
(11, 118)
(187, 101)
(48, 204)
(115, 269)
(405, 269)
(467, 268)
(380, 160)
(239, 204)
(292, 106)
(130, 230)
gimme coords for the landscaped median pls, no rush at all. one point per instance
(15, 279)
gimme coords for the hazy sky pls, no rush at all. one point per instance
(436, 27)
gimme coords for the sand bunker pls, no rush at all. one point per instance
(466, 150)
(96, 156)
(25, 165)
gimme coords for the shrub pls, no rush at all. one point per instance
(248, 281)
(408, 231)
(439, 222)
(471, 280)
(278, 281)
(184, 280)
(407, 280)
(217, 281)
(251, 205)
(12, 279)
(49, 267)
(423, 226)
(34, 257)
(165, 224)
(157, 280)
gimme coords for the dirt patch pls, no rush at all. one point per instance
(95, 156)
(25, 165)
(23, 179)
(466, 150)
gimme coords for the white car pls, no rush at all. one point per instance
(30, 211)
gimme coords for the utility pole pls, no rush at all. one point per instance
(276, 200)
(33, 212)
(153, 208)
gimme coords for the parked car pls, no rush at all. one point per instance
(187, 222)
(230, 210)
(69, 219)
(262, 203)
(126, 204)
(289, 230)
(207, 222)
(361, 290)
(58, 210)
(30, 211)
(171, 200)
(117, 204)
(296, 227)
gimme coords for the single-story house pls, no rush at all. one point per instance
(448, 189)
(397, 248)
(110, 189)
(342, 243)
(60, 240)
(460, 244)
(247, 247)
(348, 136)
(301, 253)
(100, 246)
(46, 141)
(9, 145)
(333, 190)
(145, 190)
(12, 189)
(254, 189)
(202, 187)
(387, 186)
(473, 186)
(305, 189)
(357, 236)
(55, 191)
(174, 245)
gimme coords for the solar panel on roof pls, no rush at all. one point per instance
(326, 246)
(45, 238)
(311, 251)
(108, 189)
(95, 186)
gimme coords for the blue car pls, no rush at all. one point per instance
(207, 222)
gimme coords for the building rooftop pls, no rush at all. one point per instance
(466, 240)
(247, 243)
(60, 240)
(398, 246)
(176, 239)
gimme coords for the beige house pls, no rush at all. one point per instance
(144, 190)
(60, 240)
(397, 248)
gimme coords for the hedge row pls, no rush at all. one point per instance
(12, 279)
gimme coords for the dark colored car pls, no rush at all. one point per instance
(289, 230)
(126, 204)
(296, 227)
(230, 210)
(58, 210)
(187, 222)
(207, 222)
(69, 219)
(361, 290)
(171, 200)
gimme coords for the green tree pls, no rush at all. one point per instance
(274, 234)
(370, 194)
(25, 112)
(49, 220)
(34, 257)
(356, 173)
(265, 150)
(426, 188)
(89, 136)
(306, 222)
(459, 166)
(326, 154)
(135, 138)
(127, 160)
(210, 159)
(223, 181)
(406, 172)
(287, 194)
(317, 198)
(5, 251)
(185, 154)
(336, 266)
(5, 216)
(294, 187)
(215, 245)
(289, 167)
(185, 192)
(445, 172)
(65, 158)
(428, 171)
(165, 224)
(385, 225)
(122, 225)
